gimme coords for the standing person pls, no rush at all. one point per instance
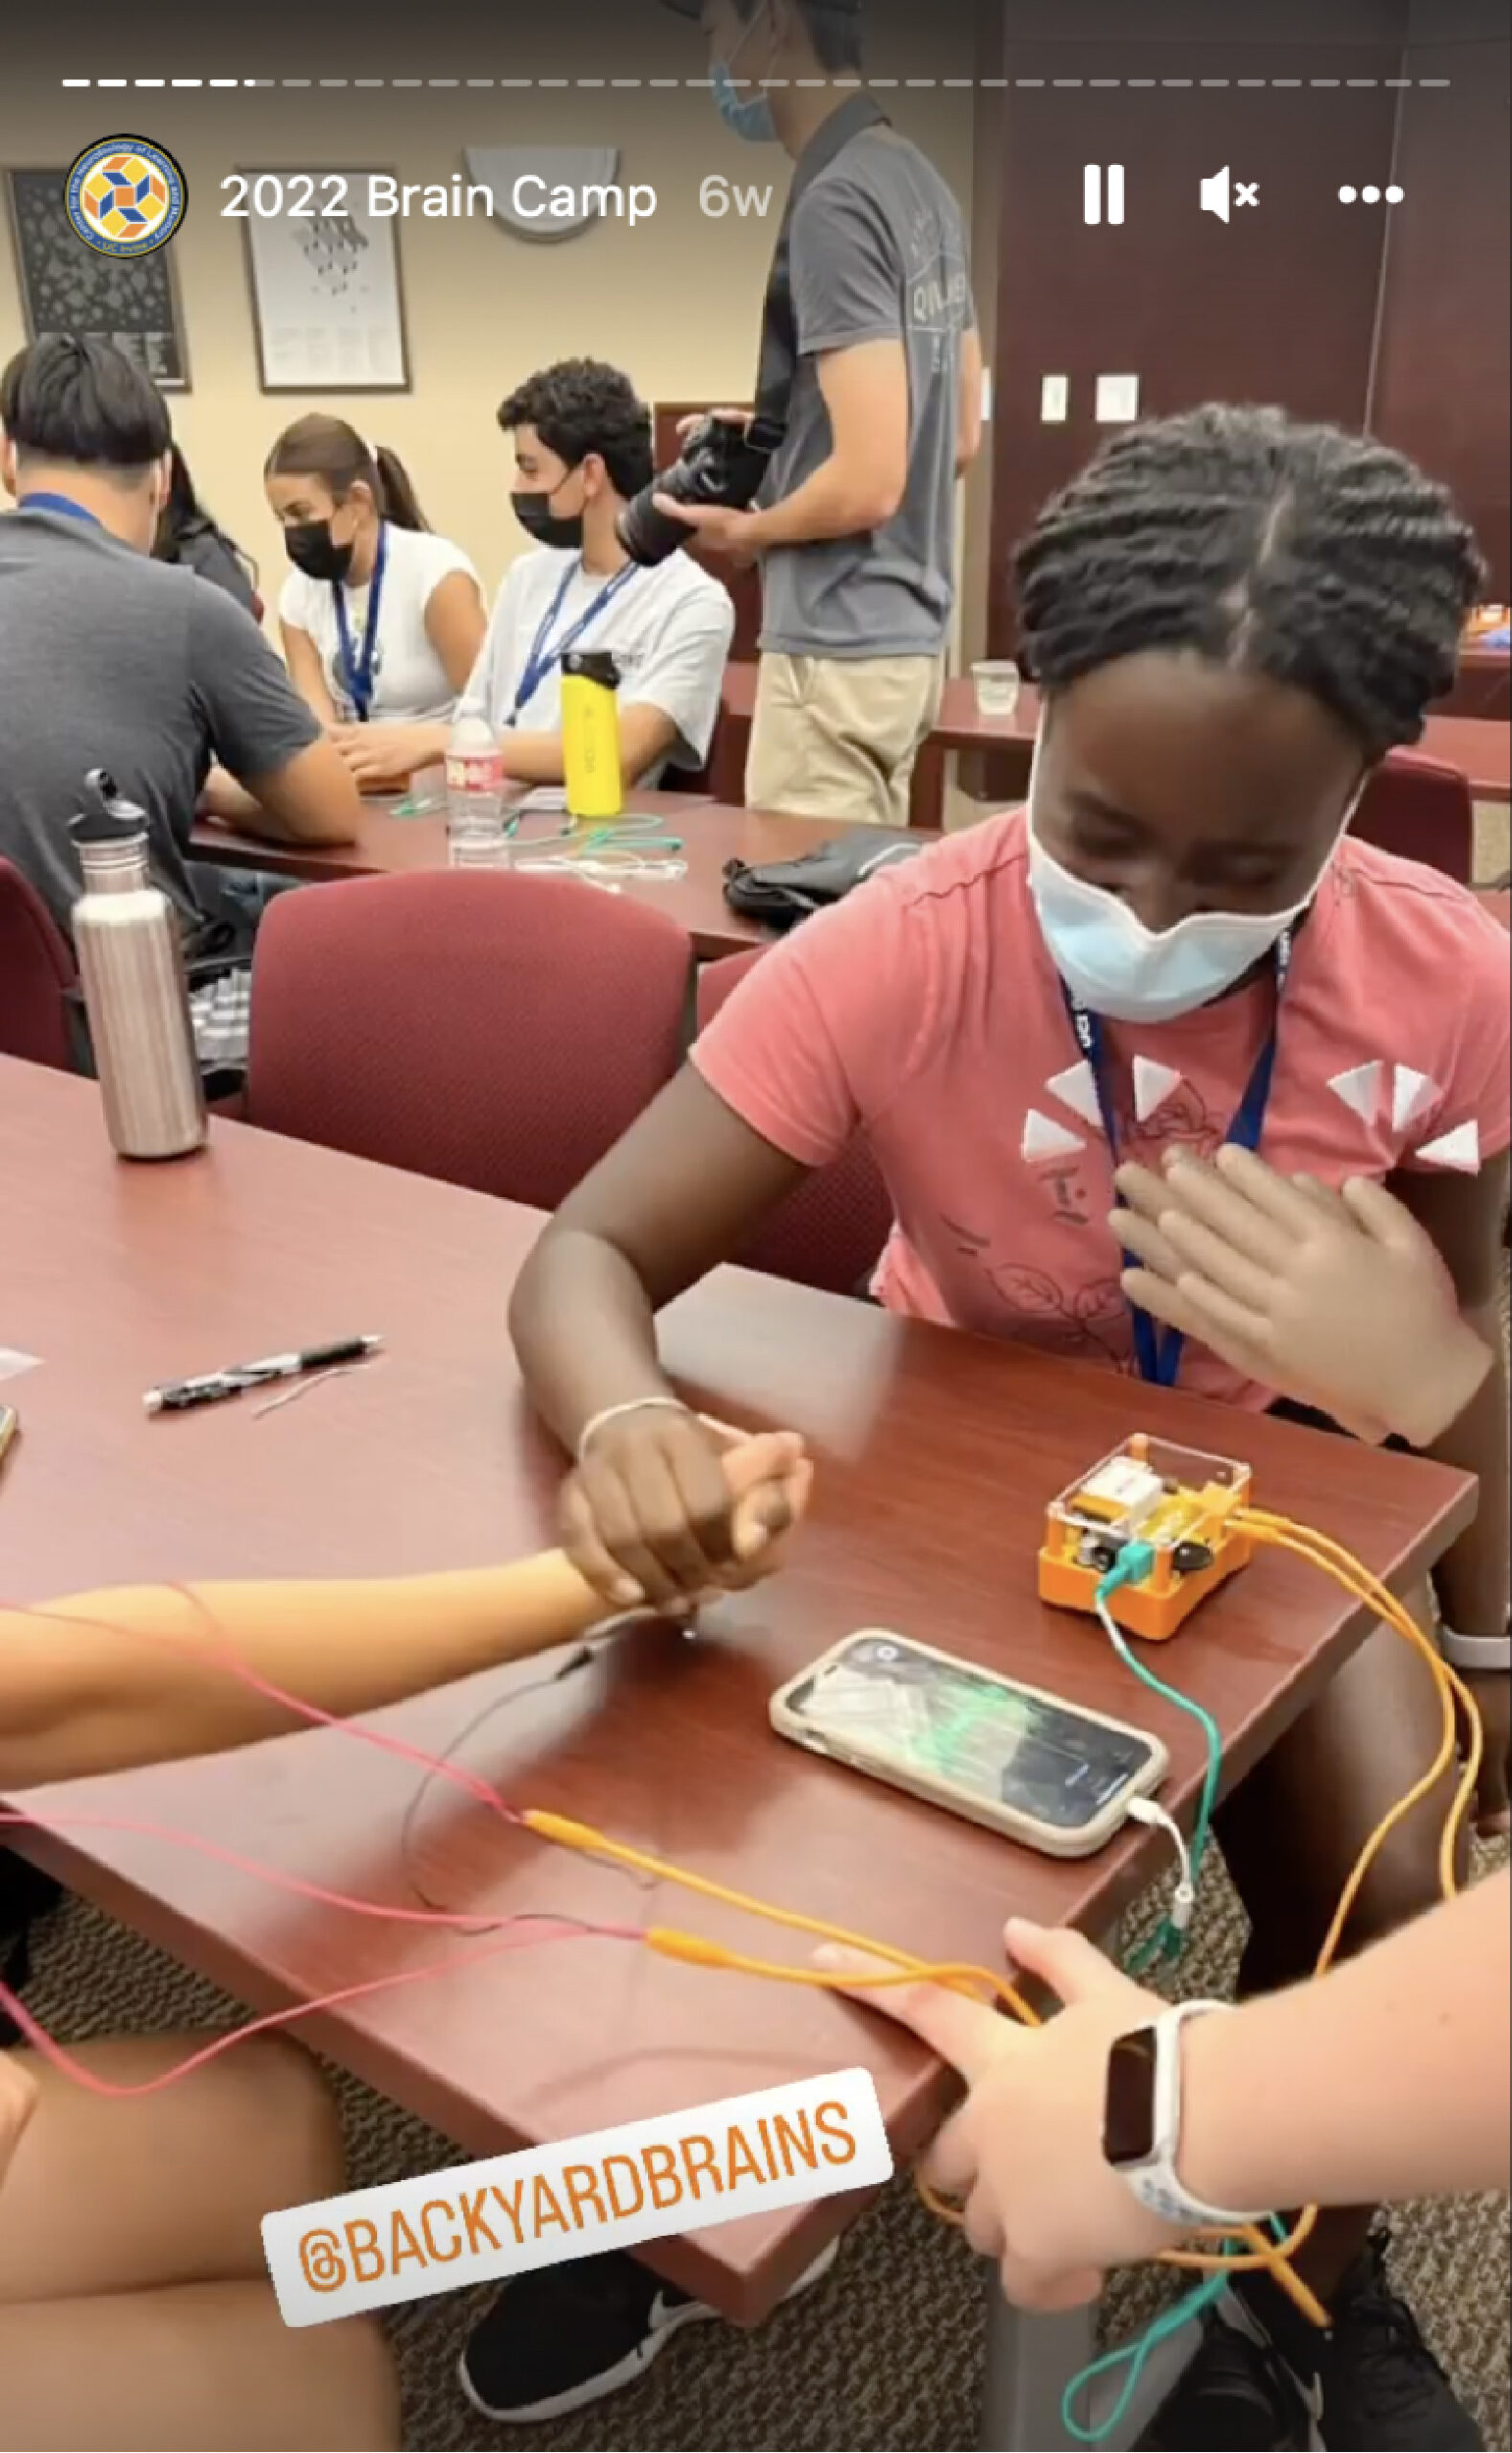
(872, 361)
(1232, 618)
(111, 659)
(187, 534)
(382, 620)
(582, 450)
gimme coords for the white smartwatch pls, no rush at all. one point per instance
(1142, 2122)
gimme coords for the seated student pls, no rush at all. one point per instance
(135, 2307)
(113, 660)
(582, 449)
(382, 620)
(1233, 618)
(187, 534)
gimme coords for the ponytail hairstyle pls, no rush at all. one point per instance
(326, 447)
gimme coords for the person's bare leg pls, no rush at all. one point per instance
(1292, 1831)
(207, 2364)
(129, 2235)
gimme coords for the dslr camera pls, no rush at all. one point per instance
(721, 463)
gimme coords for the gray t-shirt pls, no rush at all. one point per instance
(108, 658)
(878, 252)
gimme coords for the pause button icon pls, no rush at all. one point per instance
(1095, 177)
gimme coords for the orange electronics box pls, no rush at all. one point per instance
(1176, 1500)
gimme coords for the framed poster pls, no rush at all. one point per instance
(67, 287)
(327, 299)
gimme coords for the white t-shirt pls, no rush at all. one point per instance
(669, 630)
(409, 681)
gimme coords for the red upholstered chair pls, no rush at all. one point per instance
(1421, 808)
(830, 1232)
(497, 1031)
(36, 971)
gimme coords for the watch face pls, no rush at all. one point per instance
(1129, 2103)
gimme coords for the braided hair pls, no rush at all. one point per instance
(1318, 558)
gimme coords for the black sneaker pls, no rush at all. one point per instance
(1370, 2384)
(555, 2341)
(1235, 2394)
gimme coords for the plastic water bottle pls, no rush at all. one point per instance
(474, 795)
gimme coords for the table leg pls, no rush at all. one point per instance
(1031, 2360)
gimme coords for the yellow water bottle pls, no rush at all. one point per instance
(590, 735)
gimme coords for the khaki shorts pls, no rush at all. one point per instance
(838, 741)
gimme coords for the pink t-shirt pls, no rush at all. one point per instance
(925, 1011)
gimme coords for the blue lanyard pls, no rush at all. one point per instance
(356, 680)
(543, 654)
(1159, 1356)
(58, 502)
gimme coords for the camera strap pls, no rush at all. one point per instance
(779, 328)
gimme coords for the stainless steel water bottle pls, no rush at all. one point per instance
(130, 960)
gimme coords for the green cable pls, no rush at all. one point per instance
(1136, 2354)
(1135, 1560)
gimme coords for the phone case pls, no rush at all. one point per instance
(1048, 1840)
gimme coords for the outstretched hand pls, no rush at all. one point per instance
(1024, 2153)
(1294, 1286)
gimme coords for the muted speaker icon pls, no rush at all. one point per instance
(1214, 193)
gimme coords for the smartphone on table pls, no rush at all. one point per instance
(1040, 1770)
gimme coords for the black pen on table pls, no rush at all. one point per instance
(179, 1396)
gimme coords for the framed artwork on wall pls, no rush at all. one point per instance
(328, 300)
(69, 288)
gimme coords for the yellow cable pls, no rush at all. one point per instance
(1336, 1562)
(697, 1950)
(1332, 1559)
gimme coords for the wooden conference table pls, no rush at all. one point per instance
(937, 1455)
(1481, 747)
(710, 835)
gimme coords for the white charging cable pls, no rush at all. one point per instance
(1154, 1816)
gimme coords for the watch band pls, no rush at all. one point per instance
(1481, 1655)
(1153, 2176)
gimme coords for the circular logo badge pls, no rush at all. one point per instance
(126, 196)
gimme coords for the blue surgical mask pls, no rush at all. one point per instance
(1117, 967)
(749, 115)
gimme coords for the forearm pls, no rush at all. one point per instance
(573, 1373)
(425, 744)
(107, 1680)
(1384, 2080)
(1472, 1577)
(533, 757)
(838, 500)
(229, 801)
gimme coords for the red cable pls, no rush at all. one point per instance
(224, 1654)
(62, 2059)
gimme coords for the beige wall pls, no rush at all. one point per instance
(674, 302)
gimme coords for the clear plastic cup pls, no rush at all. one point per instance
(996, 687)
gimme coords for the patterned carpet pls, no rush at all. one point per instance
(886, 2351)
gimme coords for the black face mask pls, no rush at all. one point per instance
(313, 550)
(533, 509)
